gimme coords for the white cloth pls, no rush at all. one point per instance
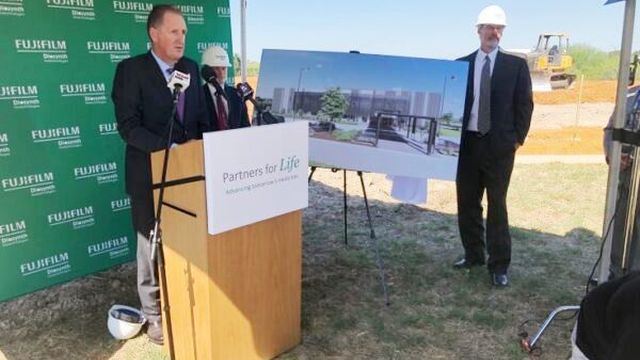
(409, 189)
(477, 73)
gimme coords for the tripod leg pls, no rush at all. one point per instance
(344, 176)
(383, 281)
(366, 203)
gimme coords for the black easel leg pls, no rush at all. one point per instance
(313, 169)
(383, 281)
(366, 203)
(344, 174)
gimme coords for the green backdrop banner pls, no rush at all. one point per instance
(63, 209)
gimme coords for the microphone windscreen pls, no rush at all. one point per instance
(207, 73)
(179, 80)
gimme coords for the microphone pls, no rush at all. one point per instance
(245, 92)
(207, 73)
(210, 77)
(178, 82)
(265, 117)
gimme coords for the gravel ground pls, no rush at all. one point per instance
(558, 116)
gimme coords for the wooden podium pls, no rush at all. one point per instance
(235, 295)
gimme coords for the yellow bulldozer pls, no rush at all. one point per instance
(549, 62)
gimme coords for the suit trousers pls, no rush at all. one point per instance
(148, 288)
(480, 169)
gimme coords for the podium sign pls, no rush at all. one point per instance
(254, 174)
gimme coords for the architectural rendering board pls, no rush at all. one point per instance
(386, 114)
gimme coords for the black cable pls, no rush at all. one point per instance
(621, 188)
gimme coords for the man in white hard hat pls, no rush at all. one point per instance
(496, 120)
(226, 109)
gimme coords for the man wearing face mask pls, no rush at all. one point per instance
(496, 120)
(226, 108)
(143, 105)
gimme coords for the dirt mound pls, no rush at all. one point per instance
(564, 141)
(602, 91)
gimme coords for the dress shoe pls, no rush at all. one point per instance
(464, 264)
(154, 332)
(499, 280)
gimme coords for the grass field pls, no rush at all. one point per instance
(436, 312)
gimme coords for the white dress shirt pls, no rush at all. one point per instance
(477, 74)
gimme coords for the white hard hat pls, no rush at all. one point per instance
(215, 56)
(492, 14)
(124, 322)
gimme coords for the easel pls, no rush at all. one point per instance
(372, 234)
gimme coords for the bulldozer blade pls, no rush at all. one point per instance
(540, 82)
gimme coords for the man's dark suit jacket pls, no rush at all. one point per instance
(238, 116)
(511, 101)
(143, 106)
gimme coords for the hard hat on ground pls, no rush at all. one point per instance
(492, 14)
(215, 56)
(124, 322)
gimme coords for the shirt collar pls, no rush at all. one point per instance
(492, 55)
(213, 89)
(163, 65)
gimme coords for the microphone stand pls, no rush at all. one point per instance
(157, 252)
(265, 117)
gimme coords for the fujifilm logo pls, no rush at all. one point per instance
(223, 11)
(108, 129)
(80, 9)
(13, 233)
(23, 45)
(53, 265)
(194, 14)
(121, 204)
(52, 51)
(78, 218)
(11, 8)
(65, 137)
(140, 10)
(21, 96)
(36, 184)
(104, 173)
(117, 247)
(5, 150)
(117, 51)
(202, 46)
(93, 93)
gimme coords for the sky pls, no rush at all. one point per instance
(419, 28)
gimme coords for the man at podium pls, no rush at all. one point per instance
(143, 108)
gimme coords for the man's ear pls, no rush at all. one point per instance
(153, 34)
